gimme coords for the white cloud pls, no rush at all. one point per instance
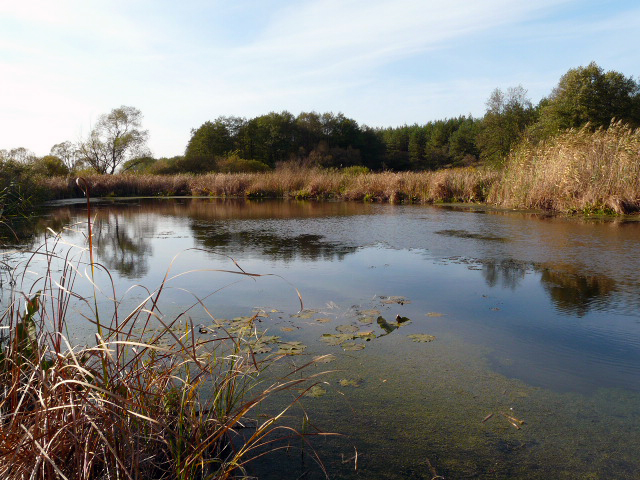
(373, 60)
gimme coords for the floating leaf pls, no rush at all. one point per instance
(370, 312)
(421, 337)
(366, 335)
(347, 328)
(366, 320)
(305, 314)
(260, 348)
(350, 382)
(386, 326)
(324, 358)
(435, 314)
(394, 299)
(323, 320)
(336, 338)
(352, 346)
(291, 348)
(269, 339)
(315, 392)
(287, 329)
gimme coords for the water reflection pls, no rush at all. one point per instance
(507, 273)
(268, 244)
(571, 292)
(522, 288)
(122, 243)
(577, 294)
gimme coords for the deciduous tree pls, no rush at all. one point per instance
(116, 138)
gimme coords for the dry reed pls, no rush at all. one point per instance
(577, 171)
(151, 399)
(459, 184)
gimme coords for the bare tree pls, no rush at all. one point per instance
(116, 138)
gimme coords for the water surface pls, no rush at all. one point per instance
(535, 317)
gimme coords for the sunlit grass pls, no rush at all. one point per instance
(460, 184)
(578, 171)
(150, 398)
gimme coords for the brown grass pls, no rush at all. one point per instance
(152, 399)
(460, 184)
(578, 171)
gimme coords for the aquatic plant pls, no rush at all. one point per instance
(154, 397)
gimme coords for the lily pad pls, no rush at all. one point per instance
(324, 358)
(421, 337)
(315, 391)
(287, 329)
(347, 328)
(291, 348)
(305, 314)
(366, 320)
(352, 346)
(336, 338)
(369, 313)
(269, 339)
(323, 320)
(394, 299)
(386, 326)
(366, 335)
(350, 382)
(260, 348)
(435, 314)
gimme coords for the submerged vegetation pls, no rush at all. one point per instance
(154, 397)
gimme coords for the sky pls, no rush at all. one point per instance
(383, 63)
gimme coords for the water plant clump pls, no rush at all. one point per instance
(154, 397)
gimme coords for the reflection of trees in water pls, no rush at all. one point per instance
(508, 273)
(576, 294)
(270, 244)
(570, 291)
(122, 244)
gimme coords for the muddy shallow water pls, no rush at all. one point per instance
(536, 322)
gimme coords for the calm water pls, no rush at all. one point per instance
(536, 317)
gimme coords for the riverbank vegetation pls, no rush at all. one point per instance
(326, 155)
(155, 397)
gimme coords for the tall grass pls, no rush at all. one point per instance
(577, 171)
(461, 184)
(151, 399)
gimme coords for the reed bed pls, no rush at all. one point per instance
(151, 398)
(460, 184)
(578, 171)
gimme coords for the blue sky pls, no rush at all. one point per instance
(381, 62)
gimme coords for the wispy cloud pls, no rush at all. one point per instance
(381, 61)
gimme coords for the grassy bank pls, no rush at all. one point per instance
(463, 185)
(577, 171)
(154, 397)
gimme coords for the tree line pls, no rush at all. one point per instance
(583, 95)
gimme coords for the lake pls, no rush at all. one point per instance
(469, 342)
